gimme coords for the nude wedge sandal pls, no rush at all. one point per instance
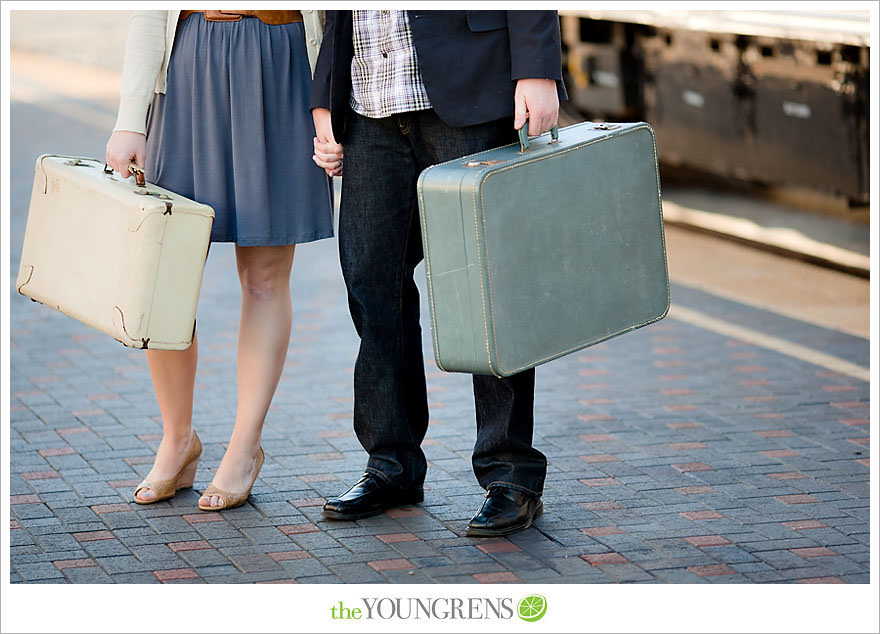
(231, 500)
(184, 479)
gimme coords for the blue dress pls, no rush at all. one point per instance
(234, 131)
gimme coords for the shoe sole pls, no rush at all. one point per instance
(338, 515)
(499, 532)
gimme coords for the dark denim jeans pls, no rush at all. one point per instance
(380, 245)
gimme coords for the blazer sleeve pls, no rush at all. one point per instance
(321, 81)
(535, 45)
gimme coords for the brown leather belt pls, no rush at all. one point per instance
(266, 17)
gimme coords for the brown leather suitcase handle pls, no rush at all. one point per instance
(139, 177)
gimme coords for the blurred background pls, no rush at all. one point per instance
(761, 119)
(771, 98)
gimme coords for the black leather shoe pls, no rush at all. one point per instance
(505, 511)
(369, 496)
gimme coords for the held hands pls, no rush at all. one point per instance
(328, 153)
(536, 100)
(126, 147)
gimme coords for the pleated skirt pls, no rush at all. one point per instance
(233, 130)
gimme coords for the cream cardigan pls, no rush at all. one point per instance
(148, 51)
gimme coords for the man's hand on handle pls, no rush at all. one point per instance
(536, 100)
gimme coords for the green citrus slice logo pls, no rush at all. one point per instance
(532, 607)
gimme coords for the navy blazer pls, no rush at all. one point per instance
(469, 61)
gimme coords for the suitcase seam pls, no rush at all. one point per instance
(660, 206)
(483, 289)
(428, 271)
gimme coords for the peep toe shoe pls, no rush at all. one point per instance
(231, 500)
(184, 478)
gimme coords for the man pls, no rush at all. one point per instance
(402, 90)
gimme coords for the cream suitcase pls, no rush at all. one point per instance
(124, 258)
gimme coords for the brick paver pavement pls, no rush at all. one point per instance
(676, 455)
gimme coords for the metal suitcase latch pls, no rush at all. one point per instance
(606, 126)
(164, 197)
(479, 163)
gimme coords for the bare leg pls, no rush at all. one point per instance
(263, 337)
(174, 376)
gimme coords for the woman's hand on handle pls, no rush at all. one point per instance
(126, 147)
(328, 153)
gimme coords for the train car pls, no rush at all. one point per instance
(769, 97)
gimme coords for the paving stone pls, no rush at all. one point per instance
(778, 544)
(26, 554)
(120, 564)
(730, 554)
(157, 555)
(118, 521)
(253, 562)
(170, 524)
(842, 565)
(306, 568)
(260, 534)
(204, 558)
(416, 549)
(628, 573)
(20, 538)
(677, 575)
(41, 571)
(365, 544)
(87, 575)
(357, 573)
(31, 511)
(56, 542)
(319, 579)
(227, 571)
(105, 548)
(216, 531)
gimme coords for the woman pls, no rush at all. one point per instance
(214, 105)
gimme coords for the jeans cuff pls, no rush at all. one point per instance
(511, 485)
(386, 480)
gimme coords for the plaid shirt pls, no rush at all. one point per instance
(385, 76)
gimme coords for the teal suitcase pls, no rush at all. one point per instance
(539, 249)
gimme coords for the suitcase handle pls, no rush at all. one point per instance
(139, 177)
(524, 136)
